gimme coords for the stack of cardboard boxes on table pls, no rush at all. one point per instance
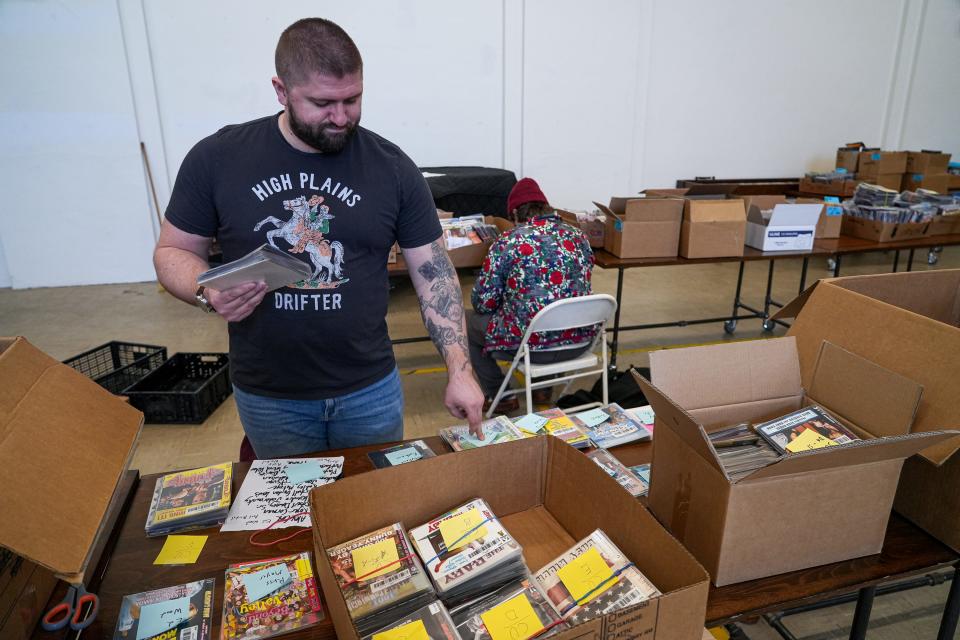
(897, 170)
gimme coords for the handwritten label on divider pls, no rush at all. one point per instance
(266, 581)
(454, 530)
(514, 619)
(402, 456)
(373, 560)
(162, 616)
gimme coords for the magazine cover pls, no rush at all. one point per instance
(435, 620)
(499, 429)
(401, 454)
(780, 433)
(188, 496)
(196, 619)
(452, 567)
(616, 470)
(468, 617)
(631, 587)
(294, 606)
(381, 590)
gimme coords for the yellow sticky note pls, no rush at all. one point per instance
(181, 550)
(514, 619)
(587, 573)
(808, 440)
(454, 530)
(410, 631)
(375, 559)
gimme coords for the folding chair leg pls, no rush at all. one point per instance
(503, 387)
(606, 398)
(527, 379)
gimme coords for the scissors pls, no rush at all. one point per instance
(70, 610)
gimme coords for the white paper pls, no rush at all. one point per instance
(268, 495)
(427, 174)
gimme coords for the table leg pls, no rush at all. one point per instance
(803, 273)
(616, 320)
(836, 265)
(910, 260)
(861, 617)
(767, 297)
(951, 611)
(736, 296)
(896, 260)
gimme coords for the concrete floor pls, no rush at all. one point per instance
(66, 321)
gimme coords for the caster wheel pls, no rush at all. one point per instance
(768, 325)
(831, 264)
(932, 258)
(730, 326)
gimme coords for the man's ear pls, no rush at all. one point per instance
(281, 90)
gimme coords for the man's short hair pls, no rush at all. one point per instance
(315, 45)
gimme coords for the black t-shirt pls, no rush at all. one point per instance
(340, 213)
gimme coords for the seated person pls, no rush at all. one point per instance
(541, 260)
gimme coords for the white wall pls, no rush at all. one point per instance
(592, 102)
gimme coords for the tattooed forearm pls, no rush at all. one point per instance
(442, 304)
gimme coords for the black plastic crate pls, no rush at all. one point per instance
(117, 365)
(184, 390)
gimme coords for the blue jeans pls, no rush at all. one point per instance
(278, 427)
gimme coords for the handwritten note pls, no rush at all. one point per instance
(181, 550)
(410, 631)
(402, 456)
(266, 581)
(267, 495)
(593, 417)
(808, 440)
(162, 616)
(531, 422)
(374, 560)
(514, 619)
(455, 530)
(587, 573)
(303, 471)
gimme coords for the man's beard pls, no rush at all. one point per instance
(317, 136)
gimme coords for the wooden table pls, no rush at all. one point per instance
(129, 569)
(834, 248)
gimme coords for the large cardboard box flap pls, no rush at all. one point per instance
(906, 322)
(645, 209)
(64, 442)
(537, 488)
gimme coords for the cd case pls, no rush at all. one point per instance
(264, 264)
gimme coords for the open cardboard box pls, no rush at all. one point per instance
(874, 162)
(548, 495)
(789, 226)
(944, 225)
(883, 231)
(806, 509)
(910, 324)
(841, 187)
(593, 226)
(642, 227)
(828, 224)
(473, 255)
(64, 442)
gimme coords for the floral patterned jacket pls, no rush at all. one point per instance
(527, 268)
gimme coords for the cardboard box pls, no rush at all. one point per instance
(874, 162)
(883, 231)
(712, 228)
(909, 323)
(789, 227)
(593, 226)
(847, 158)
(927, 162)
(642, 227)
(392, 256)
(806, 509)
(887, 180)
(828, 224)
(953, 181)
(65, 443)
(939, 182)
(473, 255)
(548, 495)
(944, 225)
(841, 187)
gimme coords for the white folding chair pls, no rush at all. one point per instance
(569, 313)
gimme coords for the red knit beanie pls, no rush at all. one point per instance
(526, 190)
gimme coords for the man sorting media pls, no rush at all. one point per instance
(312, 364)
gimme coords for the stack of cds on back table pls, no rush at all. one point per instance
(467, 552)
(381, 578)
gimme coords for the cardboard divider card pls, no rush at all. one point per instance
(181, 550)
(261, 584)
(374, 560)
(462, 529)
(531, 422)
(593, 417)
(162, 616)
(402, 456)
(514, 619)
(410, 631)
(589, 574)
